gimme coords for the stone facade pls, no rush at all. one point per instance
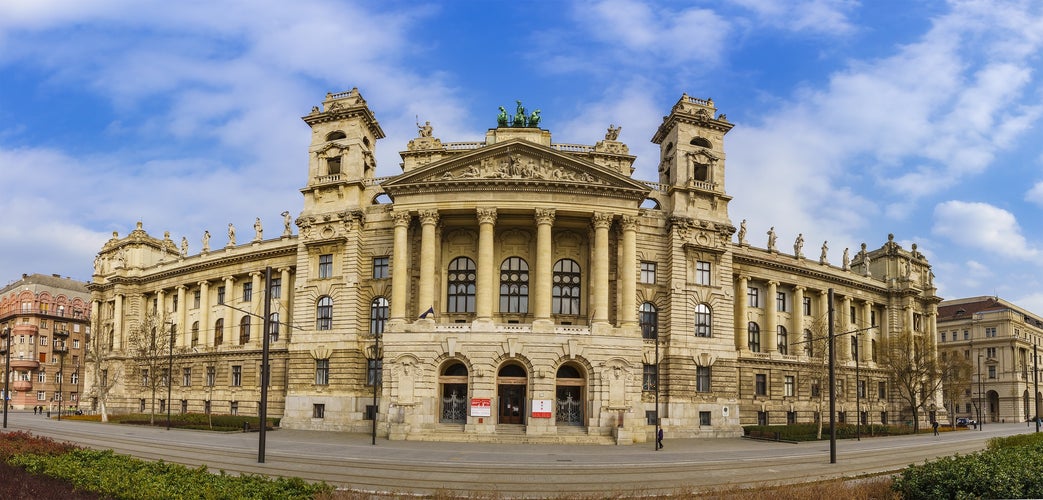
(48, 320)
(517, 286)
(1001, 342)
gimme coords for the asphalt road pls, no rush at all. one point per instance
(521, 470)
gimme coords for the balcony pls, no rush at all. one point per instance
(22, 385)
(24, 364)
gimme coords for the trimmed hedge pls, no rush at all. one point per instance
(187, 420)
(809, 432)
(1009, 468)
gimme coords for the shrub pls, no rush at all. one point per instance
(19, 443)
(1009, 468)
(809, 432)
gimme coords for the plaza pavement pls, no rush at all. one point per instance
(515, 470)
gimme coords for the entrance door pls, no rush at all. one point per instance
(512, 404)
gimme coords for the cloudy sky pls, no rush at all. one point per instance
(852, 119)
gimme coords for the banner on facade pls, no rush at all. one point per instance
(541, 408)
(481, 407)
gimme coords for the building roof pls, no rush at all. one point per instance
(964, 309)
(53, 281)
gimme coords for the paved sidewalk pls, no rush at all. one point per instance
(350, 460)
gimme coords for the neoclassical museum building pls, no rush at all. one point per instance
(512, 288)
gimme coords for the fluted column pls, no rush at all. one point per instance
(628, 272)
(602, 221)
(400, 266)
(798, 319)
(117, 322)
(742, 339)
(428, 247)
(204, 314)
(771, 319)
(544, 263)
(483, 300)
(284, 304)
(182, 317)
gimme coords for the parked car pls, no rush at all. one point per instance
(962, 422)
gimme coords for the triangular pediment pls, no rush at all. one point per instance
(518, 162)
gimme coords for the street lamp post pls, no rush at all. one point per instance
(170, 370)
(858, 393)
(7, 373)
(1035, 377)
(61, 351)
(832, 385)
(981, 422)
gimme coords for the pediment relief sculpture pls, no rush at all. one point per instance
(516, 166)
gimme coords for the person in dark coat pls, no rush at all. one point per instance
(659, 439)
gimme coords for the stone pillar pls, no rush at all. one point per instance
(797, 335)
(628, 273)
(742, 339)
(257, 297)
(544, 263)
(823, 307)
(182, 317)
(231, 330)
(117, 322)
(866, 338)
(204, 314)
(428, 249)
(844, 352)
(771, 320)
(161, 310)
(483, 300)
(602, 221)
(284, 304)
(400, 266)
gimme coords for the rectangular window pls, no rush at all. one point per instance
(881, 390)
(371, 413)
(791, 418)
(141, 405)
(211, 376)
(75, 345)
(790, 386)
(375, 372)
(966, 335)
(762, 418)
(248, 292)
(815, 389)
(872, 319)
(162, 405)
(186, 377)
(883, 417)
(322, 372)
(174, 302)
(41, 396)
(206, 407)
(854, 317)
(326, 265)
(649, 378)
(762, 384)
(237, 375)
(780, 301)
(862, 389)
(276, 285)
(704, 418)
(144, 378)
(195, 299)
(702, 273)
(753, 297)
(990, 331)
(184, 406)
(220, 295)
(41, 377)
(702, 379)
(992, 372)
(380, 268)
(990, 352)
(807, 306)
(318, 411)
(43, 340)
(917, 322)
(650, 417)
(943, 336)
(234, 408)
(842, 417)
(648, 272)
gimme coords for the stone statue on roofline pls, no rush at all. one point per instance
(771, 239)
(613, 132)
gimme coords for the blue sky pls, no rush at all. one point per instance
(852, 119)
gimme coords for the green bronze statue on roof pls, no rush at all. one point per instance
(520, 119)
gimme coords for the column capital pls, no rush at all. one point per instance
(602, 220)
(545, 216)
(486, 215)
(628, 222)
(203, 283)
(401, 217)
(254, 274)
(742, 279)
(429, 217)
(773, 283)
(800, 288)
(181, 288)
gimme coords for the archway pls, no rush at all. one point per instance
(993, 399)
(453, 381)
(511, 383)
(569, 391)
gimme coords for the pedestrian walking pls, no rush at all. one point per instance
(934, 424)
(659, 439)
(34, 410)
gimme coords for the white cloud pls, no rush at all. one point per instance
(981, 226)
(1035, 194)
(828, 17)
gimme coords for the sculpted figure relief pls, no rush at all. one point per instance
(425, 130)
(613, 132)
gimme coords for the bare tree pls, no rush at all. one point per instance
(151, 348)
(955, 372)
(912, 365)
(106, 368)
(815, 345)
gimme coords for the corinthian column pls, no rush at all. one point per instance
(399, 266)
(628, 272)
(483, 300)
(428, 247)
(771, 319)
(544, 263)
(742, 324)
(602, 221)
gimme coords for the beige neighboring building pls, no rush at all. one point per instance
(47, 317)
(511, 287)
(1002, 342)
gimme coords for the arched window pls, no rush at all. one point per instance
(273, 327)
(219, 332)
(649, 321)
(332, 136)
(754, 336)
(703, 321)
(566, 287)
(324, 313)
(701, 142)
(378, 315)
(195, 333)
(244, 330)
(461, 278)
(514, 285)
(809, 348)
(783, 340)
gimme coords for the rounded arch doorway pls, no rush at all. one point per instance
(453, 380)
(511, 383)
(569, 389)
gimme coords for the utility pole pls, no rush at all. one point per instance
(832, 386)
(265, 343)
(7, 374)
